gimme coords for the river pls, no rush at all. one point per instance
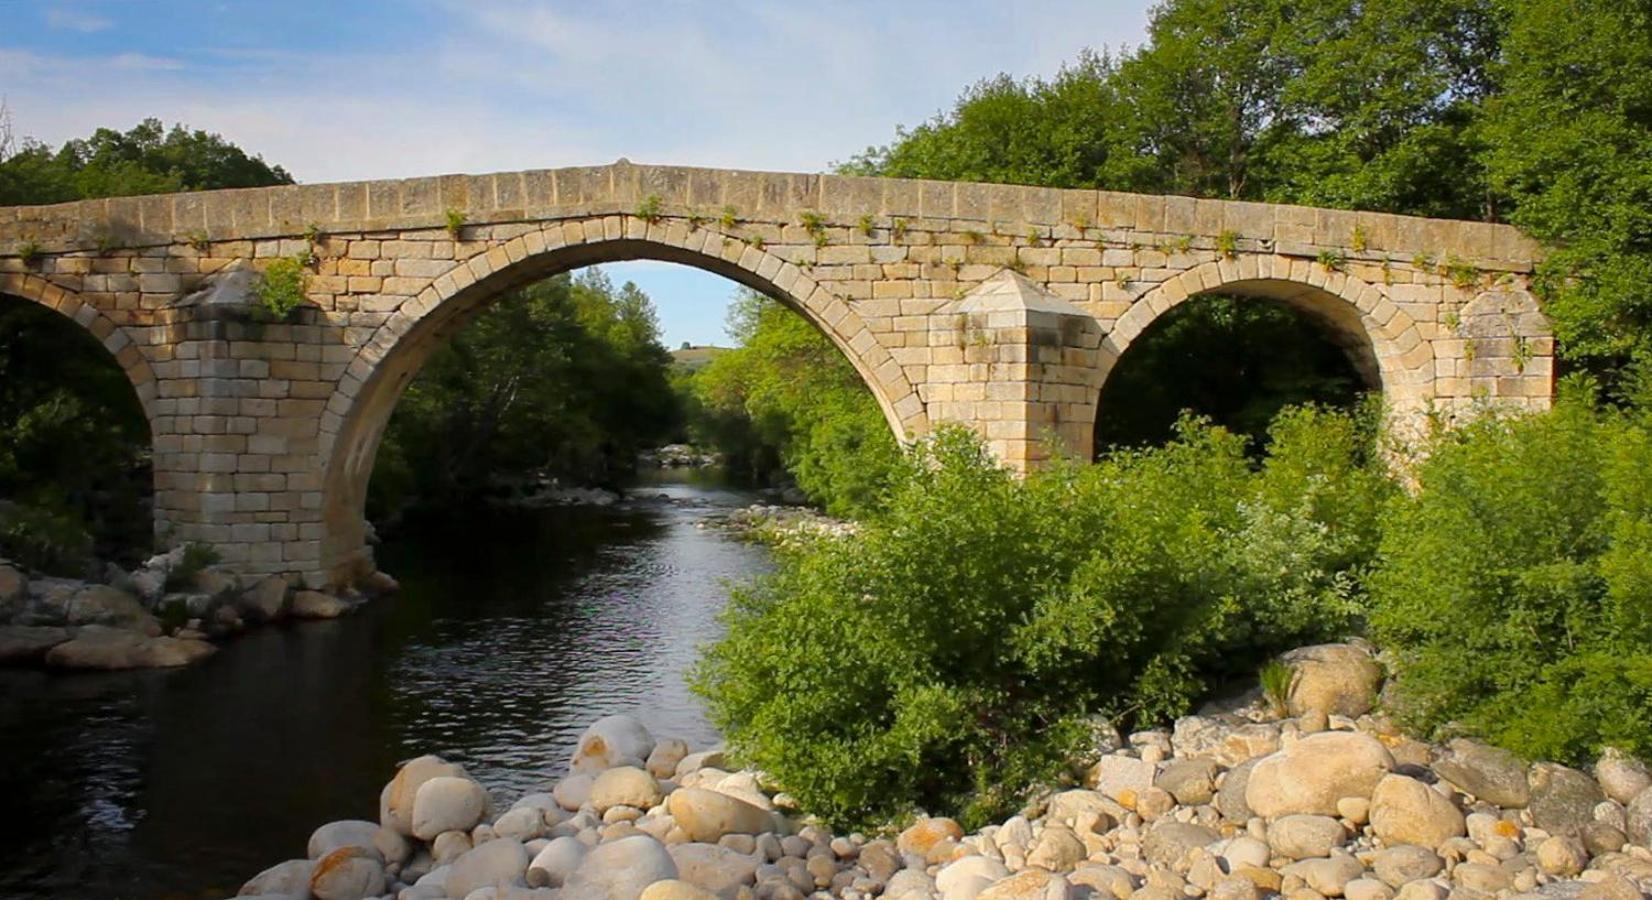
(513, 630)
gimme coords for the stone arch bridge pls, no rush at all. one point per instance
(997, 306)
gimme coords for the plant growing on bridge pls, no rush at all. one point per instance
(453, 222)
(649, 210)
(313, 233)
(729, 218)
(282, 286)
(1463, 274)
(897, 229)
(815, 225)
(28, 252)
(1332, 260)
(865, 226)
(198, 240)
(1357, 239)
(1227, 244)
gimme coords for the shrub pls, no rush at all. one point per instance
(45, 539)
(1516, 586)
(195, 558)
(282, 287)
(947, 656)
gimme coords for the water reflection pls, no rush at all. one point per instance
(513, 630)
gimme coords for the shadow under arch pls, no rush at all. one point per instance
(97, 336)
(381, 372)
(1382, 344)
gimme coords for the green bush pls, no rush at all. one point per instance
(195, 558)
(1516, 585)
(946, 656)
(45, 539)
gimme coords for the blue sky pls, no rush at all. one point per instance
(340, 90)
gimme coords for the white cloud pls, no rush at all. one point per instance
(73, 20)
(739, 83)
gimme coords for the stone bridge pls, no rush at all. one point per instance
(1001, 307)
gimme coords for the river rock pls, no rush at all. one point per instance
(705, 816)
(316, 605)
(14, 592)
(1327, 876)
(102, 647)
(1638, 819)
(1311, 775)
(965, 878)
(348, 873)
(344, 833)
(265, 601)
(1066, 807)
(1488, 773)
(620, 870)
(100, 604)
(1406, 863)
(694, 762)
(612, 741)
(393, 846)
(1334, 679)
(573, 792)
(1168, 842)
(1305, 837)
(1406, 811)
(716, 869)
(1032, 884)
(1563, 799)
(1561, 856)
(25, 645)
(1228, 742)
(1230, 796)
(396, 800)
(556, 861)
(921, 836)
(1190, 781)
(290, 877)
(663, 759)
(675, 889)
(1621, 777)
(1120, 778)
(1057, 849)
(521, 823)
(624, 786)
(501, 862)
(447, 803)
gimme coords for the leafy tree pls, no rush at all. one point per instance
(564, 379)
(947, 656)
(1569, 138)
(148, 159)
(786, 394)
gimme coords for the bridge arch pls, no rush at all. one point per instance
(1382, 342)
(359, 409)
(112, 337)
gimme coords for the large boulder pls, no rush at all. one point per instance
(26, 645)
(290, 877)
(1488, 773)
(396, 800)
(1563, 799)
(716, 869)
(348, 873)
(1311, 775)
(100, 604)
(265, 601)
(557, 860)
(343, 833)
(498, 863)
(921, 836)
(102, 647)
(1639, 818)
(706, 816)
(1406, 811)
(1334, 679)
(317, 605)
(1622, 777)
(612, 741)
(1230, 797)
(624, 786)
(447, 803)
(620, 870)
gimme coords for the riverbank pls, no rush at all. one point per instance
(1326, 800)
(174, 610)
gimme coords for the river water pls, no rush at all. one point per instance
(514, 630)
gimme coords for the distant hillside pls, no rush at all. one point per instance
(691, 357)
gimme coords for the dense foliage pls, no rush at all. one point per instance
(74, 446)
(564, 379)
(1516, 585)
(948, 655)
(786, 395)
(148, 159)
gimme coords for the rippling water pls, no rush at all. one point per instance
(513, 631)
